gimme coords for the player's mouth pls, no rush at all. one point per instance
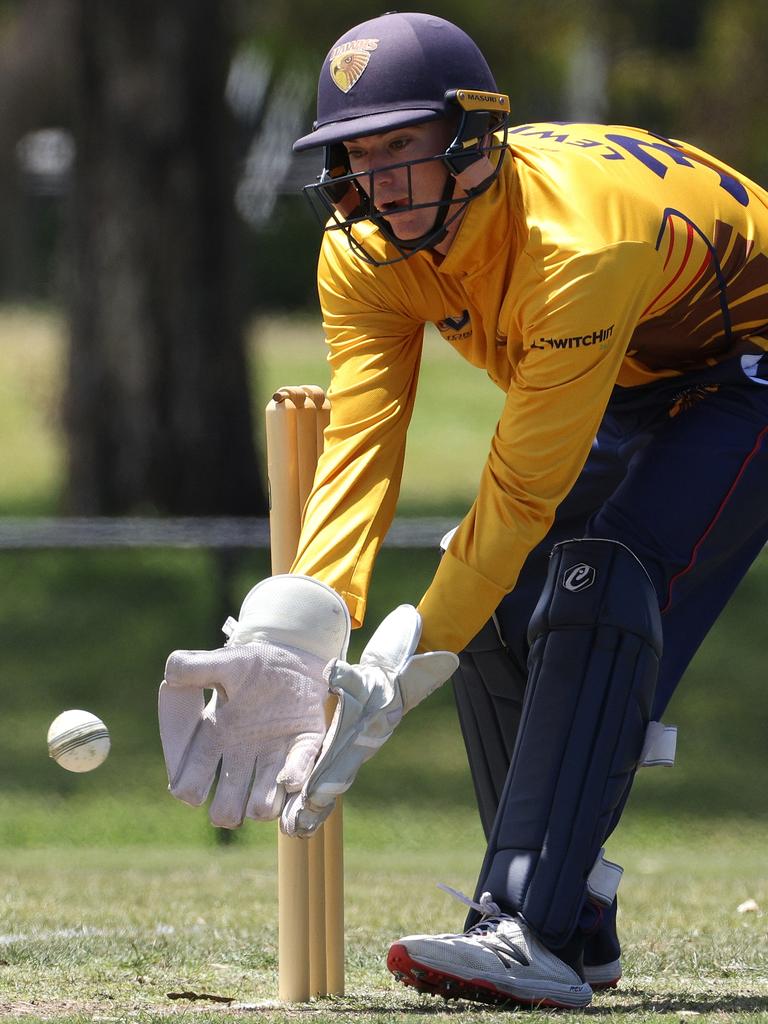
(393, 205)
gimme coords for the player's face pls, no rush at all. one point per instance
(392, 194)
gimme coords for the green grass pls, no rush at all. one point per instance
(116, 895)
(104, 934)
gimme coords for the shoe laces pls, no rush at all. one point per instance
(492, 914)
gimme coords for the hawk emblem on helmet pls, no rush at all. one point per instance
(349, 60)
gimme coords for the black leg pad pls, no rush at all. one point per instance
(488, 687)
(596, 642)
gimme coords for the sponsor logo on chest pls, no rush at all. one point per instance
(599, 337)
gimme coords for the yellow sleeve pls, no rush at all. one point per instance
(374, 354)
(576, 321)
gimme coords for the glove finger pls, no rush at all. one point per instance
(423, 674)
(395, 639)
(198, 768)
(267, 795)
(299, 820)
(228, 805)
(300, 761)
(179, 714)
(289, 814)
(198, 669)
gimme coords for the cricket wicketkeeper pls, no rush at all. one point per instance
(614, 285)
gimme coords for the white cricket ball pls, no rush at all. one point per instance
(78, 741)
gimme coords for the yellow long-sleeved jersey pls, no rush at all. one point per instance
(602, 255)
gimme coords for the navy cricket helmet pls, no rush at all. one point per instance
(392, 72)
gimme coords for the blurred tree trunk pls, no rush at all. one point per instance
(35, 86)
(157, 409)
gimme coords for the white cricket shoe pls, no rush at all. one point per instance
(498, 960)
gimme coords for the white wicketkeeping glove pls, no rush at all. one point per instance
(373, 697)
(265, 723)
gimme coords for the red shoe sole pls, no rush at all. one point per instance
(438, 983)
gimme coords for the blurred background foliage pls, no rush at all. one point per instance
(694, 69)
